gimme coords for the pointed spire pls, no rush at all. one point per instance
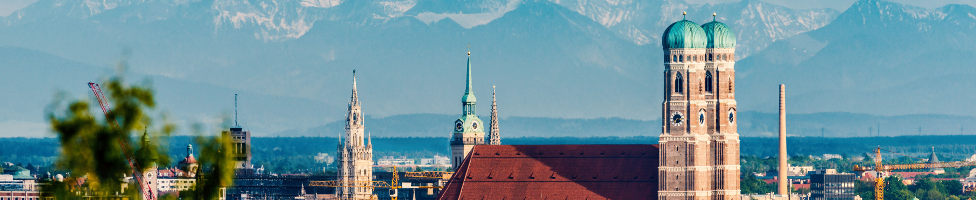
(355, 93)
(369, 139)
(468, 89)
(494, 137)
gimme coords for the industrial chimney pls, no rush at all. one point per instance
(783, 166)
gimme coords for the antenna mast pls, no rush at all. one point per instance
(235, 112)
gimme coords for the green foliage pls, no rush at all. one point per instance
(216, 167)
(96, 153)
(98, 150)
(864, 189)
(749, 184)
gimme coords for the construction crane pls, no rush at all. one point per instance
(433, 174)
(146, 189)
(880, 167)
(393, 185)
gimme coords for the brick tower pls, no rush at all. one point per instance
(720, 113)
(699, 155)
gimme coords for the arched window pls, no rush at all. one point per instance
(708, 81)
(678, 84)
(674, 58)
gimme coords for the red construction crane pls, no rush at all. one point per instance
(146, 189)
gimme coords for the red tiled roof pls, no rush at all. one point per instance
(556, 172)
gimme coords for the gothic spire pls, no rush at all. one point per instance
(494, 138)
(355, 94)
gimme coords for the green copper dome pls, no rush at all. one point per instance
(719, 35)
(683, 34)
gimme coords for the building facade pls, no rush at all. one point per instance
(699, 143)
(241, 141)
(468, 129)
(830, 185)
(355, 155)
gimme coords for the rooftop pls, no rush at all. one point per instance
(556, 171)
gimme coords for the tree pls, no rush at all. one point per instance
(96, 151)
(896, 190)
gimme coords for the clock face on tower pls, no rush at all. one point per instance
(677, 119)
(701, 116)
(458, 125)
(731, 115)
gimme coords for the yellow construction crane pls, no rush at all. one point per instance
(393, 185)
(880, 167)
(437, 175)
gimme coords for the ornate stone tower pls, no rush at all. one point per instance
(720, 113)
(493, 135)
(355, 155)
(699, 143)
(468, 129)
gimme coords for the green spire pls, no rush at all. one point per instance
(468, 91)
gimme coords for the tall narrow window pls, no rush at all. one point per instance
(708, 81)
(678, 84)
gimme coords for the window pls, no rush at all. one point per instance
(674, 58)
(708, 81)
(678, 84)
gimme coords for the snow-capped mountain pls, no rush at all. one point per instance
(549, 58)
(757, 23)
(876, 57)
(638, 21)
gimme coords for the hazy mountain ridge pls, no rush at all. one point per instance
(757, 23)
(877, 57)
(546, 58)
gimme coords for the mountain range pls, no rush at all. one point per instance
(291, 60)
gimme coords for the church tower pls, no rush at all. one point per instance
(355, 155)
(699, 151)
(494, 137)
(720, 113)
(468, 129)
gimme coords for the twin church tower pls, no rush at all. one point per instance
(699, 142)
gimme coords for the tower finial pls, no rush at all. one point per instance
(713, 16)
(683, 14)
